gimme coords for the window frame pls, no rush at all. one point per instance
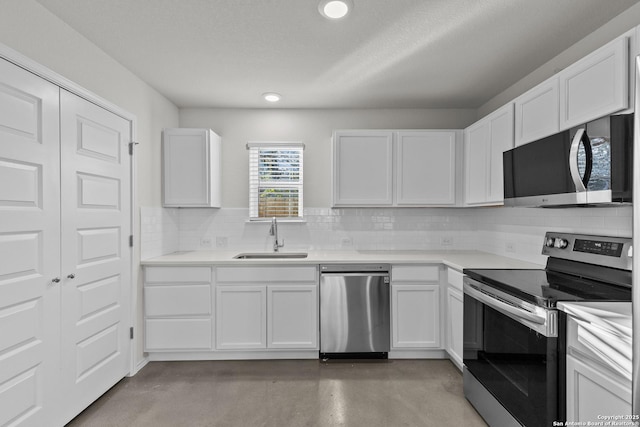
(254, 148)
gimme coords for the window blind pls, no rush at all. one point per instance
(275, 180)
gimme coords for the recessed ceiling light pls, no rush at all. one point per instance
(271, 96)
(335, 9)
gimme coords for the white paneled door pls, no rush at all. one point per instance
(29, 246)
(96, 256)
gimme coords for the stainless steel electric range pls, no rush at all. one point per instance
(514, 334)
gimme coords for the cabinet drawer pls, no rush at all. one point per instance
(181, 300)
(454, 278)
(415, 273)
(177, 334)
(177, 274)
(266, 274)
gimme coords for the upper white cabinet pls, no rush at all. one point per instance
(394, 168)
(191, 168)
(426, 168)
(484, 143)
(596, 85)
(363, 168)
(537, 112)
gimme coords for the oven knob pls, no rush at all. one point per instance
(561, 243)
(549, 242)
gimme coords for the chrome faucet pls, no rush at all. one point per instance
(273, 231)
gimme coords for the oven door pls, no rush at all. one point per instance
(510, 347)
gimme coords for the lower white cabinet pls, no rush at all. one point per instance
(454, 317)
(241, 321)
(267, 308)
(415, 307)
(593, 392)
(178, 309)
(594, 387)
(292, 316)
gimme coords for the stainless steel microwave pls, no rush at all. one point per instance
(588, 165)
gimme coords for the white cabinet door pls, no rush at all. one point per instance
(454, 325)
(96, 257)
(241, 317)
(292, 316)
(415, 316)
(190, 168)
(596, 85)
(485, 141)
(592, 393)
(363, 168)
(29, 248)
(476, 152)
(426, 168)
(501, 140)
(537, 112)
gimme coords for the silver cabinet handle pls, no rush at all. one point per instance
(71, 276)
(55, 280)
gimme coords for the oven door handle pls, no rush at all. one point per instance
(503, 306)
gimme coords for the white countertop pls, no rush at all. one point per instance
(604, 329)
(614, 317)
(458, 260)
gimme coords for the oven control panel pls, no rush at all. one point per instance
(613, 252)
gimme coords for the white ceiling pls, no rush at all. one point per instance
(385, 54)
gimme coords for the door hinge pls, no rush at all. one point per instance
(131, 145)
(131, 240)
(131, 332)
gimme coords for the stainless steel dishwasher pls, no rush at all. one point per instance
(354, 311)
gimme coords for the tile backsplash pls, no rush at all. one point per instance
(512, 232)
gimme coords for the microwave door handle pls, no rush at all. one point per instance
(579, 181)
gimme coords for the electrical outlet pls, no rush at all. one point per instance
(205, 242)
(347, 242)
(510, 247)
(446, 241)
(221, 242)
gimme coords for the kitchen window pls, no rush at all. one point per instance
(275, 180)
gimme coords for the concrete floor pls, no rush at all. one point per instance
(286, 393)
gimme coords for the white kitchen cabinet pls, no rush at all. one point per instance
(422, 174)
(178, 309)
(593, 391)
(426, 168)
(537, 113)
(484, 143)
(596, 85)
(191, 168)
(292, 316)
(415, 307)
(267, 308)
(363, 168)
(241, 318)
(454, 317)
(65, 259)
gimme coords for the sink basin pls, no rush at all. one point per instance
(271, 255)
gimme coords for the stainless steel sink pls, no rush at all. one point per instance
(271, 255)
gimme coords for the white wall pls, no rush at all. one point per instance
(599, 37)
(314, 128)
(33, 31)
